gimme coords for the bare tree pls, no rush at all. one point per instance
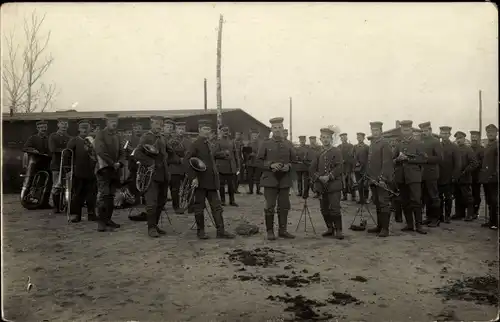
(23, 69)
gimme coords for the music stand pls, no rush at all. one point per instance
(362, 207)
(305, 214)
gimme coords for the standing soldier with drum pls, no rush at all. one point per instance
(38, 144)
(347, 155)
(180, 144)
(360, 162)
(254, 170)
(488, 176)
(57, 143)
(227, 162)
(110, 159)
(276, 155)
(475, 144)
(207, 182)
(84, 184)
(304, 159)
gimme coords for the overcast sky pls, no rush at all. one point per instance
(343, 64)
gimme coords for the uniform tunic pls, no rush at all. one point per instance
(57, 142)
(488, 176)
(275, 151)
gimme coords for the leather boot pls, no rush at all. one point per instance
(200, 226)
(447, 211)
(329, 225)
(470, 213)
(337, 222)
(250, 188)
(258, 189)
(91, 217)
(398, 214)
(418, 221)
(158, 229)
(269, 217)
(219, 224)
(376, 230)
(75, 218)
(282, 225)
(434, 217)
(410, 224)
(101, 219)
(56, 201)
(384, 227)
(152, 232)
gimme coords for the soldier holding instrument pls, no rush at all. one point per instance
(227, 162)
(110, 159)
(207, 183)
(304, 159)
(432, 148)
(408, 159)
(488, 175)
(180, 144)
(464, 203)
(276, 156)
(84, 184)
(360, 152)
(380, 168)
(254, 170)
(57, 143)
(449, 171)
(326, 171)
(156, 193)
(39, 144)
(347, 155)
(475, 140)
(132, 162)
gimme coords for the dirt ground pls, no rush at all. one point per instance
(81, 275)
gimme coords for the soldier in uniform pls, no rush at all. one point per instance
(396, 204)
(156, 193)
(464, 204)
(408, 159)
(57, 142)
(84, 184)
(238, 143)
(475, 140)
(304, 159)
(432, 148)
(347, 155)
(227, 162)
(449, 171)
(315, 149)
(168, 128)
(488, 175)
(180, 145)
(380, 168)
(39, 143)
(132, 162)
(326, 171)
(254, 170)
(276, 156)
(207, 183)
(360, 162)
(110, 159)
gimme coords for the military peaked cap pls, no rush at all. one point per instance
(168, 120)
(41, 122)
(111, 115)
(312, 137)
(376, 125)
(491, 127)
(406, 123)
(156, 118)
(180, 123)
(475, 133)
(276, 120)
(445, 128)
(460, 134)
(254, 131)
(360, 134)
(83, 122)
(424, 125)
(326, 130)
(62, 119)
(343, 134)
(206, 123)
(302, 137)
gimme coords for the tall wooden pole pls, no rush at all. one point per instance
(205, 94)
(480, 115)
(290, 124)
(218, 75)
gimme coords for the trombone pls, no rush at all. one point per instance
(65, 198)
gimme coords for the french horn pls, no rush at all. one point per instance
(186, 192)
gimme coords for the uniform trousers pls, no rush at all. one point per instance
(382, 200)
(347, 184)
(227, 178)
(491, 196)
(430, 198)
(476, 196)
(446, 199)
(282, 196)
(108, 180)
(156, 197)
(253, 175)
(214, 201)
(464, 204)
(329, 204)
(84, 191)
(411, 199)
(175, 186)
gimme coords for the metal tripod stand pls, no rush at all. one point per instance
(207, 211)
(304, 215)
(363, 205)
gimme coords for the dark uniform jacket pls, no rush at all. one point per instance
(179, 147)
(239, 146)
(304, 158)
(252, 160)
(468, 163)
(161, 173)
(380, 163)
(361, 151)
(57, 143)
(347, 155)
(489, 166)
(432, 148)
(449, 168)
(409, 171)
(478, 153)
(208, 179)
(83, 164)
(37, 142)
(108, 149)
(226, 156)
(329, 163)
(275, 151)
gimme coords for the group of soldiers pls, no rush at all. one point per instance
(427, 172)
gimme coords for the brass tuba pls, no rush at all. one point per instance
(145, 173)
(35, 185)
(186, 191)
